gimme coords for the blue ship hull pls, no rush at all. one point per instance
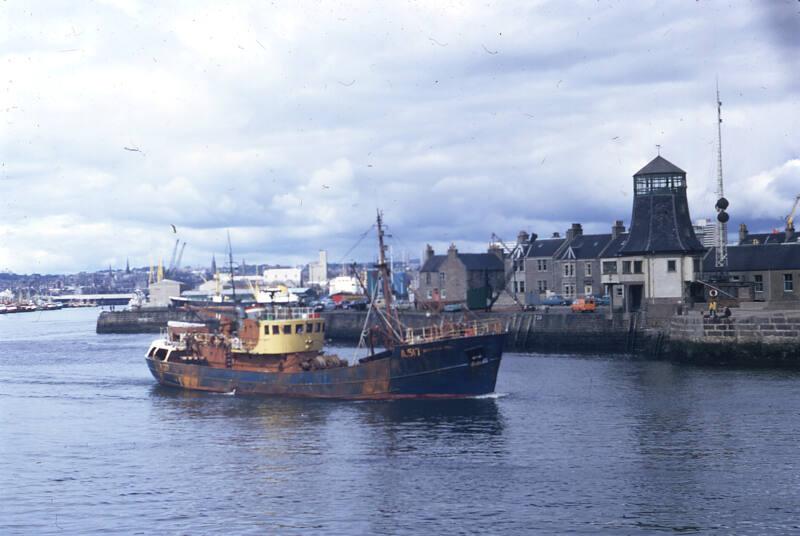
(449, 368)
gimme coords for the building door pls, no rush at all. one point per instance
(635, 293)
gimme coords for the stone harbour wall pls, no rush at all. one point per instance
(763, 338)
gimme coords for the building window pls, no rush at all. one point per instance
(736, 278)
(671, 266)
(430, 295)
(788, 283)
(587, 290)
(441, 278)
(428, 278)
(569, 290)
(541, 265)
(609, 267)
(515, 287)
(618, 291)
(696, 264)
(519, 265)
(637, 267)
(759, 282)
(588, 271)
(626, 267)
(522, 287)
(443, 293)
(542, 285)
(569, 269)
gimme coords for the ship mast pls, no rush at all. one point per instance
(722, 203)
(230, 264)
(386, 272)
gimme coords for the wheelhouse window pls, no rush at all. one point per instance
(287, 329)
(298, 328)
(276, 330)
(309, 328)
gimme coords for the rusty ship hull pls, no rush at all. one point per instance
(452, 368)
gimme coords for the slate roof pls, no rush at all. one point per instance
(661, 224)
(587, 246)
(613, 247)
(768, 238)
(472, 261)
(660, 166)
(544, 248)
(754, 258)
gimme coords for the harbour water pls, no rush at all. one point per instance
(90, 444)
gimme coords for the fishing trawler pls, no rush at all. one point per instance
(276, 350)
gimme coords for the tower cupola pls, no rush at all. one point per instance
(660, 222)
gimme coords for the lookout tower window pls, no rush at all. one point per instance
(654, 184)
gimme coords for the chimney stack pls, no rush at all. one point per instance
(574, 231)
(556, 235)
(428, 253)
(522, 238)
(617, 229)
(452, 251)
(742, 233)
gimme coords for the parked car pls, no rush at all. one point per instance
(603, 300)
(452, 308)
(555, 299)
(584, 305)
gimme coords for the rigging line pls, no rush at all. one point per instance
(360, 239)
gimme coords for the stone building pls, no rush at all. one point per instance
(578, 266)
(467, 278)
(656, 263)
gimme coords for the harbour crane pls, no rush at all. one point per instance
(790, 217)
(172, 259)
(180, 257)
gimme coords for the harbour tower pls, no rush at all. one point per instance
(656, 265)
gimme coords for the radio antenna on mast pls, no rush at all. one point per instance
(722, 203)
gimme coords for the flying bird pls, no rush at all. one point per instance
(490, 51)
(174, 229)
(133, 149)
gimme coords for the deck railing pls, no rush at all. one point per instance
(453, 331)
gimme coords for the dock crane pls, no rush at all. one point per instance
(180, 257)
(790, 217)
(172, 259)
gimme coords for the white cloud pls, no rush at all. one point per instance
(289, 124)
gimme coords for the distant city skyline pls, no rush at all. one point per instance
(129, 125)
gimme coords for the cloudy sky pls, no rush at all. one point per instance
(290, 122)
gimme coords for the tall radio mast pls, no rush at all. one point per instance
(722, 203)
